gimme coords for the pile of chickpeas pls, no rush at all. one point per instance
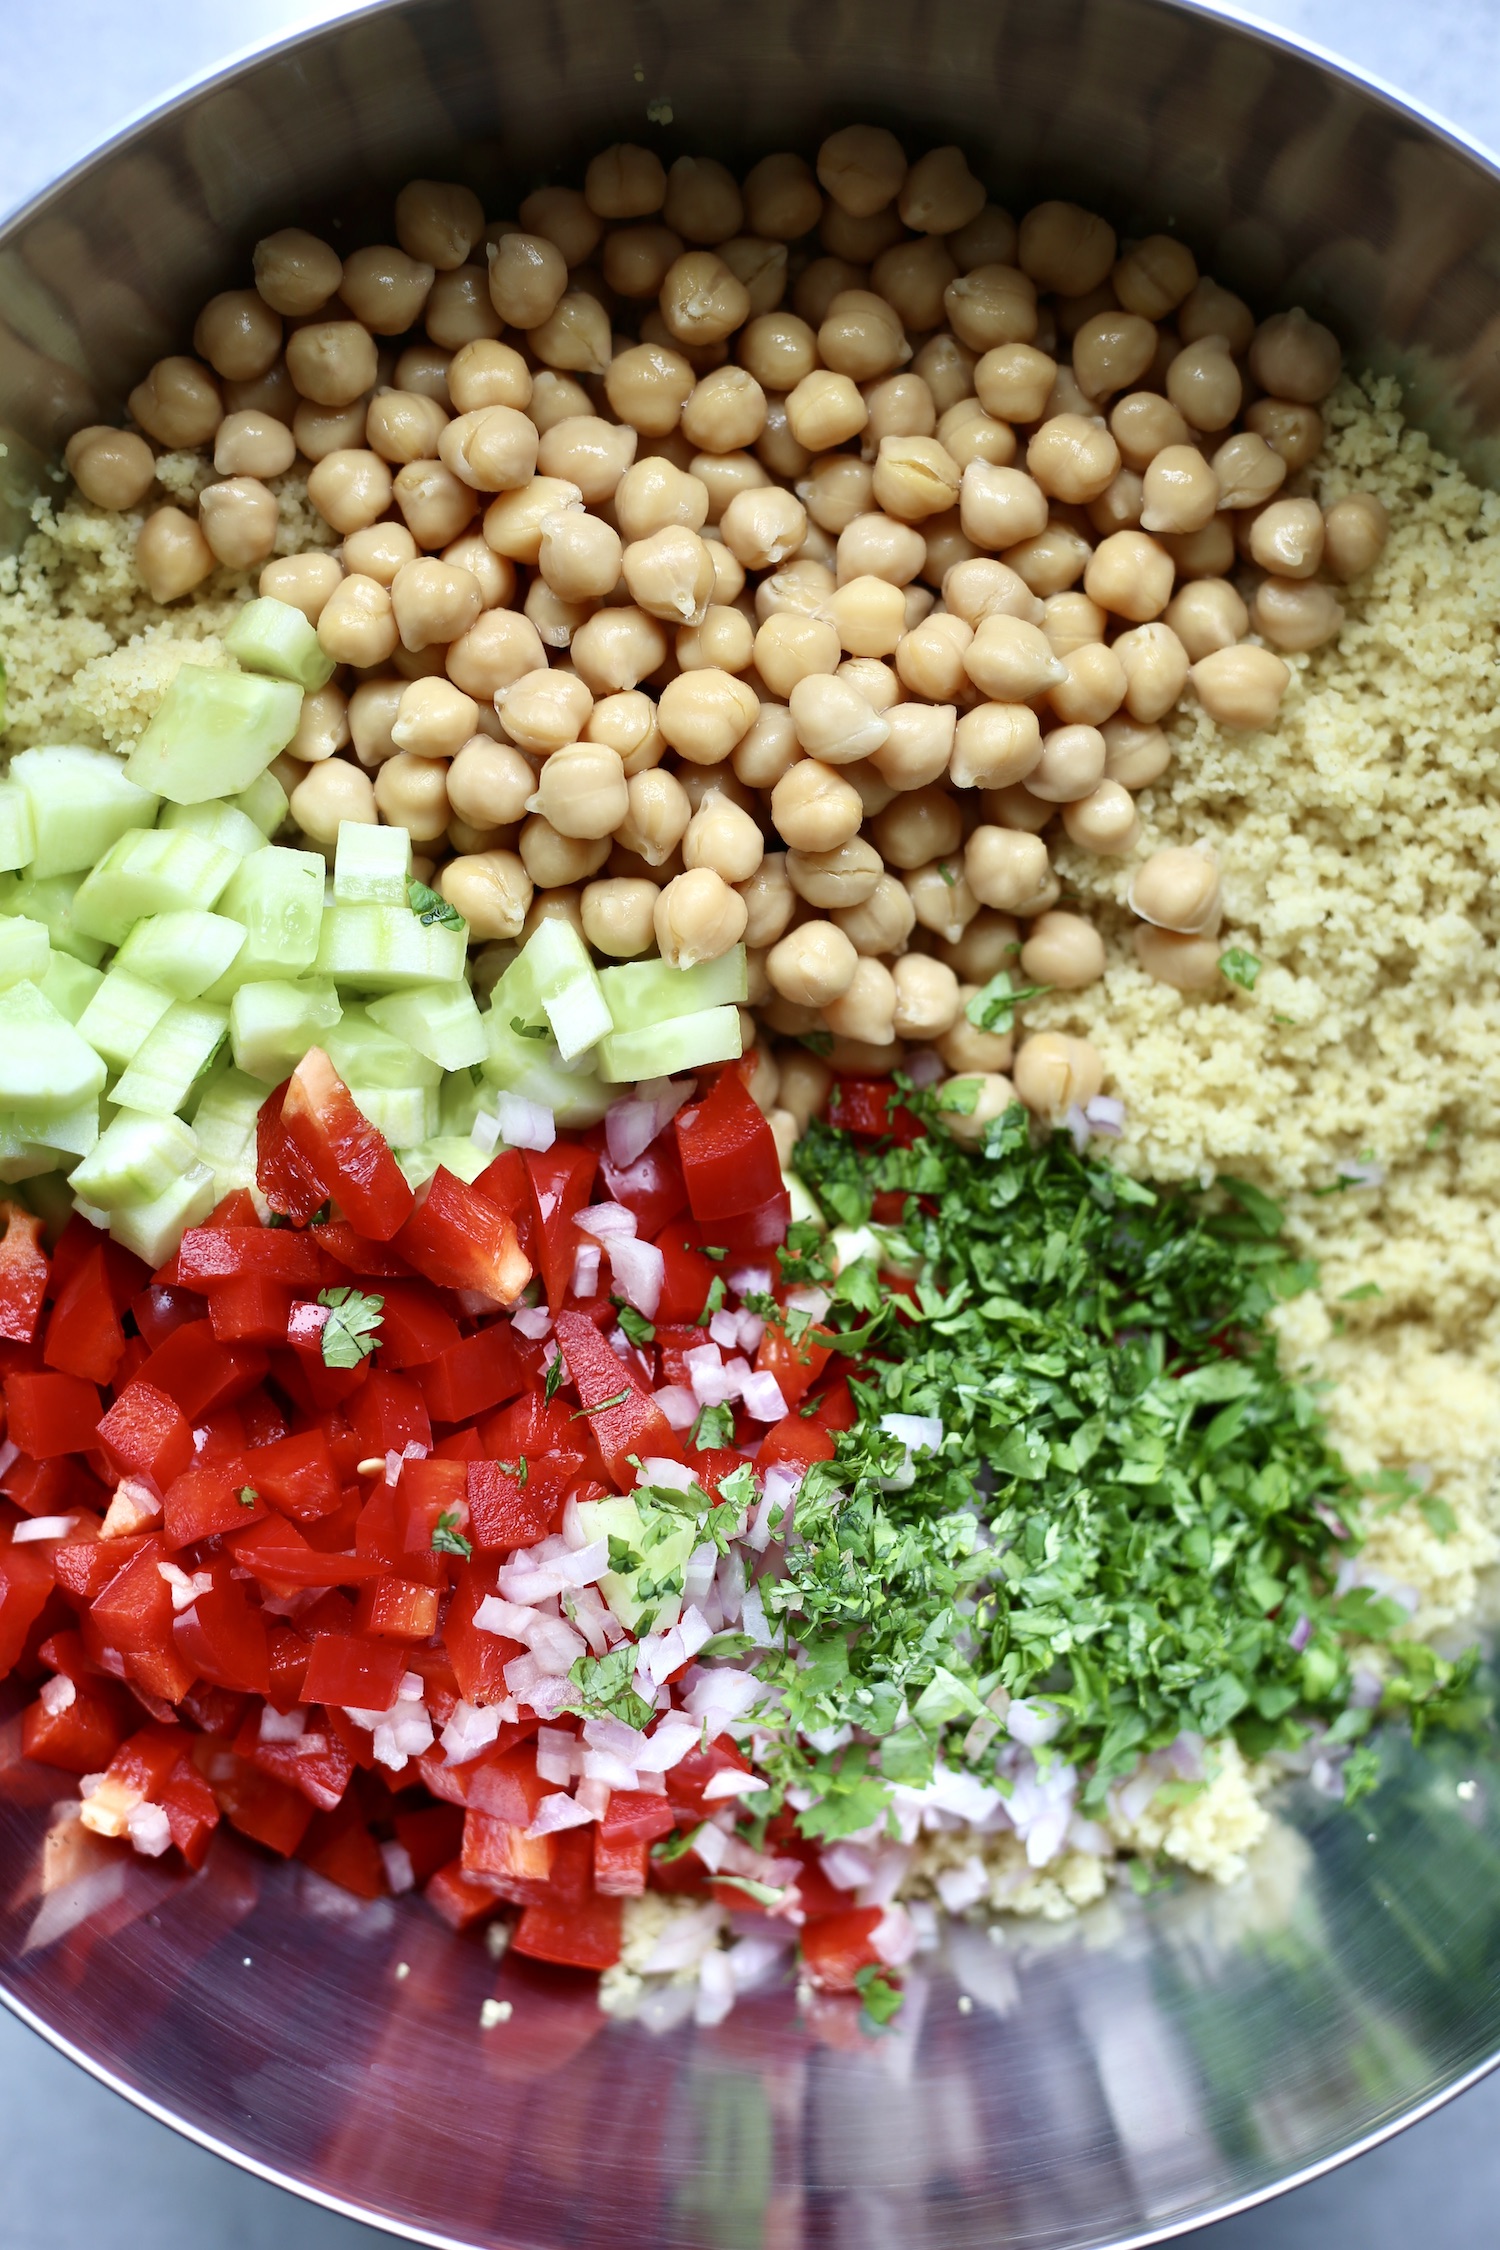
(769, 560)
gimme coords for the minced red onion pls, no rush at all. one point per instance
(558, 1812)
(533, 1321)
(57, 1695)
(586, 1258)
(1032, 1723)
(678, 1406)
(44, 1527)
(924, 1066)
(399, 1872)
(1106, 1113)
(525, 1124)
(668, 1745)
(724, 1329)
(1300, 1634)
(485, 1133)
(1078, 1125)
(471, 1727)
(751, 1281)
(639, 1270)
(631, 1125)
(762, 1398)
(674, 1476)
(893, 1937)
(605, 1220)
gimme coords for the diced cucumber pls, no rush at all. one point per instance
(123, 1013)
(183, 952)
(806, 1211)
(405, 1114)
(264, 802)
(439, 1020)
(710, 1036)
(21, 1157)
(52, 900)
(278, 896)
(214, 733)
(272, 1025)
(372, 864)
(225, 1114)
(220, 823)
(25, 949)
(388, 949)
(151, 871)
(17, 836)
(271, 636)
(455, 1153)
(171, 1057)
(70, 985)
(553, 977)
(80, 804)
(135, 1159)
(44, 1064)
(641, 993)
(49, 1196)
(365, 1054)
(460, 1100)
(65, 1133)
(153, 1230)
(533, 1068)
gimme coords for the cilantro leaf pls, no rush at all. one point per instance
(1240, 967)
(714, 1426)
(430, 907)
(603, 1405)
(524, 1030)
(557, 1375)
(994, 1005)
(447, 1539)
(882, 1999)
(352, 1330)
(713, 1302)
(635, 1326)
(248, 1496)
(604, 1689)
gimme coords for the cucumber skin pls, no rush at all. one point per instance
(711, 1035)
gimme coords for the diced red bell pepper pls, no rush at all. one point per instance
(339, 1847)
(375, 1261)
(687, 1780)
(463, 1444)
(835, 1406)
(200, 1373)
(84, 1336)
(146, 1434)
(223, 1637)
(871, 1109)
(212, 1254)
(297, 1475)
(161, 1677)
(159, 1309)
(26, 1580)
(251, 1310)
(398, 1609)
(561, 1180)
(652, 1187)
(750, 1235)
(321, 1776)
(478, 1658)
(504, 1852)
(288, 1181)
(415, 1325)
(582, 1934)
(796, 1366)
(276, 1553)
(623, 1418)
(51, 1414)
(686, 1281)
(220, 1439)
(640, 1814)
(348, 1670)
(532, 1425)
(266, 1810)
(459, 1902)
(389, 1413)
(82, 1737)
(503, 1512)
(507, 1786)
(837, 1946)
(84, 1567)
(329, 1130)
(459, 1238)
(485, 1370)
(218, 1711)
(59, 1487)
(191, 1809)
(333, 1534)
(505, 1181)
(204, 1504)
(711, 1464)
(727, 1152)
(427, 1491)
(134, 1612)
(621, 1865)
(797, 1441)
(431, 1836)
(24, 1268)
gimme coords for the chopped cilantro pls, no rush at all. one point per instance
(635, 1326)
(1361, 1773)
(675, 1846)
(604, 1689)
(1240, 967)
(249, 1497)
(447, 1539)
(994, 1005)
(352, 1330)
(714, 1253)
(960, 1097)
(713, 1302)
(524, 1030)
(881, 1998)
(714, 1426)
(431, 907)
(816, 1042)
(1365, 1289)
(603, 1406)
(519, 1469)
(557, 1375)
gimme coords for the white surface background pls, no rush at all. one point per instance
(81, 2170)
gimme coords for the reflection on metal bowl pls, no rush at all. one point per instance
(1115, 2078)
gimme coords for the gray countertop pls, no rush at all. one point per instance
(79, 2166)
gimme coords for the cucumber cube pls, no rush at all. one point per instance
(439, 1020)
(150, 871)
(73, 1132)
(170, 1057)
(364, 1053)
(182, 952)
(272, 1025)
(371, 863)
(646, 992)
(122, 1014)
(554, 977)
(25, 950)
(21, 1157)
(460, 1100)
(134, 1160)
(533, 1068)
(44, 1064)
(153, 1230)
(456, 1155)
(70, 985)
(388, 949)
(662, 1049)
(220, 823)
(224, 1121)
(271, 636)
(17, 836)
(264, 802)
(214, 733)
(80, 804)
(404, 1114)
(53, 899)
(277, 895)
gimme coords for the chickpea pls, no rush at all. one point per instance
(1135, 755)
(498, 648)
(331, 362)
(814, 808)
(653, 493)
(1010, 660)
(1000, 508)
(459, 309)
(696, 918)
(1179, 490)
(328, 795)
(1208, 553)
(1054, 1072)
(492, 891)
(825, 410)
(1287, 538)
(434, 720)
(1072, 458)
(1178, 889)
(1072, 621)
(1155, 666)
(1355, 532)
(357, 624)
(670, 574)
(967, 433)
(1209, 310)
(790, 648)
(350, 488)
(701, 299)
(112, 468)
(768, 751)
(1095, 685)
(862, 168)
(1207, 615)
(238, 334)
(1065, 249)
(555, 862)
(833, 721)
(528, 276)
(763, 527)
(575, 335)
(987, 943)
(1051, 562)
(618, 916)
(1070, 766)
(1063, 950)
(703, 202)
(930, 658)
(1204, 384)
(880, 923)
(238, 519)
(968, 1050)
(915, 478)
(617, 648)
(869, 616)
(1191, 964)
(412, 793)
(303, 581)
(969, 1105)
(865, 1010)
(544, 709)
(762, 267)
(295, 272)
(657, 815)
(1104, 822)
(725, 411)
(1130, 575)
(723, 639)
(873, 681)
(321, 430)
(995, 745)
(724, 477)
(435, 505)
(781, 198)
(1007, 868)
(861, 336)
(372, 714)
(582, 791)
(1241, 687)
(837, 491)
(911, 277)
(947, 368)
(927, 997)
(800, 589)
(1296, 616)
(625, 182)
(1154, 276)
(178, 404)
(489, 783)
(647, 385)
(1111, 351)
(991, 308)
(579, 556)
(877, 546)
(434, 602)
(980, 587)
(769, 901)
(513, 521)
(813, 964)
(1295, 357)
(1293, 431)
(1248, 472)
(1013, 806)
(704, 714)
(563, 905)
(722, 836)
(249, 445)
(425, 369)
(636, 260)
(1145, 424)
(844, 878)
(1013, 382)
(564, 217)
(917, 826)
(492, 448)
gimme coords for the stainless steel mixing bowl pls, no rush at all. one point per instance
(1167, 2058)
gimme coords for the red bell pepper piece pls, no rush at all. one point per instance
(276, 1553)
(58, 1487)
(797, 1441)
(51, 1414)
(24, 1269)
(158, 1310)
(503, 1512)
(375, 1261)
(397, 1609)
(478, 1658)
(223, 1637)
(560, 1180)
(652, 1187)
(691, 1775)
(796, 1366)
(339, 1847)
(621, 1865)
(485, 1370)
(711, 1464)
(871, 1109)
(267, 1811)
(623, 1418)
(326, 1126)
(343, 1669)
(415, 1325)
(251, 1310)
(84, 1567)
(134, 1612)
(834, 1409)
(638, 1814)
(503, 1852)
(146, 1434)
(297, 1475)
(455, 1899)
(211, 1254)
(204, 1503)
(430, 1838)
(389, 1413)
(581, 1934)
(727, 1151)
(532, 1425)
(84, 1736)
(458, 1237)
(836, 1947)
(201, 1373)
(686, 1281)
(25, 1582)
(427, 1491)
(321, 1776)
(84, 1336)
(747, 1237)
(290, 1183)
(507, 1786)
